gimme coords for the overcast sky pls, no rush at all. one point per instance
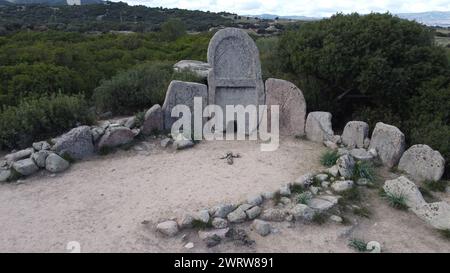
(317, 8)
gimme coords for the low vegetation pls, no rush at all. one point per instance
(438, 186)
(358, 244)
(396, 201)
(364, 169)
(329, 158)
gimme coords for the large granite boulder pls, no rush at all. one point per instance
(402, 186)
(389, 142)
(318, 127)
(292, 106)
(183, 93)
(77, 143)
(116, 136)
(435, 214)
(153, 120)
(422, 163)
(354, 134)
(198, 68)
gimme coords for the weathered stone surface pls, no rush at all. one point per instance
(274, 215)
(237, 216)
(40, 157)
(318, 127)
(13, 157)
(245, 207)
(55, 164)
(153, 120)
(223, 210)
(336, 218)
(436, 214)
(402, 186)
(97, 132)
(292, 106)
(25, 166)
(422, 163)
(116, 136)
(304, 180)
(183, 93)
(268, 195)
(323, 203)
(185, 221)
(345, 165)
(333, 171)
(4, 175)
(330, 144)
(41, 145)
(255, 200)
(361, 154)
(130, 122)
(221, 233)
(321, 177)
(181, 144)
(198, 68)
(253, 212)
(77, 143)
(235, 77)
(354, 134)
(302, 212)
(285, 190)
(389, 142)
(169, 228)
(261, 227)
(202, 215)
(219, 223)
(340, 186)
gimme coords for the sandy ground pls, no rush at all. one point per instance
(103, 202)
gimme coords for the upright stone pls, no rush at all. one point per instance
(389, 142)
(153, 120)
(318, 127)
(235, 77)
(354, 134)
(422, 163)
(182, 93)
(292, 106)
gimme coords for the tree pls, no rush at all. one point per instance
(172, 29)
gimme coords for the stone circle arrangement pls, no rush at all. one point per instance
(233, 74)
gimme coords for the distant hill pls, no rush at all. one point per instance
(430, 18)
(102, 17)
(293, 17)
(54, 2)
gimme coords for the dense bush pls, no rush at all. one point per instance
(41, 118)
(375, 67)
(135, 89)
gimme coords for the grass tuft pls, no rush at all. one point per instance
(277, 197)
(364, 169)
(297, 189)
(197, 224)
(303, 198)
(358, 244)
(363, 212)
(319, 218)
(436, 185)
(445, 233)
(396, 201)
(329, 158)
(427, 195)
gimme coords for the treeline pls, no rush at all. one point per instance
(103, 17)
(373, 68)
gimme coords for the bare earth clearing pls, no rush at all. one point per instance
(102, 203)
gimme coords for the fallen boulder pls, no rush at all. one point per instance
(77, 143)
(422, 163)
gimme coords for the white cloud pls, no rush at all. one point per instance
(300, 7)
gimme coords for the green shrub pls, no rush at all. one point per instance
(303, 198)
(41, 118)
(358, 244)
(329, 158)
(188, 76)
(364, 169)
(135, 89)
(439, 186)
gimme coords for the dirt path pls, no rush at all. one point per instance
(101, 202)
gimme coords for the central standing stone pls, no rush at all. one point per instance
(235, 77)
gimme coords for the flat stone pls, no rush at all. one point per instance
(354, 134)
(253, 212)
(221, 233)
(153, 120)
(116, 136)
(198, 68)
(237, 216)
(273, 215)
(322, 203)
(389, 142)
(422, 163)
(219, 223)
(336, 218)
(261, 227)
(182, 93)
(340, 186)
(302, 212)
(292, 111)
(318, 127)
(361, 154)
